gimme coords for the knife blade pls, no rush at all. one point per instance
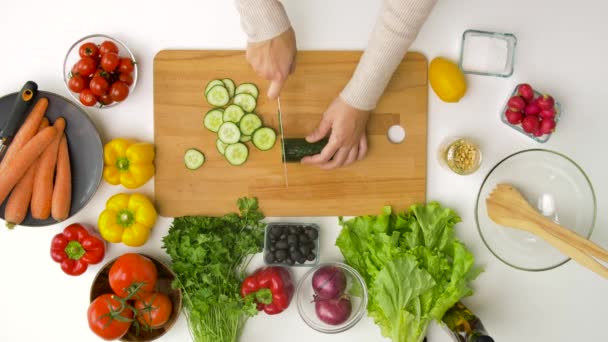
(15, 116)
(280, 112)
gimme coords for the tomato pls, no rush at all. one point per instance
(126, 66)
(107, 46)
(119, 91)
(109, 61)
(126, 78)
(76, 83)
(87, 98)
(99, 85)
(88, 50)
(105, 99)
(131, 270)
(105, 321)
(86, 66)
(154, 310)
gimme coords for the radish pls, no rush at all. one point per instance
(532, 108)
(514, 117)
(547, 113)
(329, 282)
(545, 102)
(333, 311)
(526, 91)
(530, 124)
(547, 126)
(516, 103)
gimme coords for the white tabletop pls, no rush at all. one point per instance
(561, 49)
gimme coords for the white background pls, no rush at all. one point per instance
(561, 49)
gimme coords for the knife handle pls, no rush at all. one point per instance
(20, 106)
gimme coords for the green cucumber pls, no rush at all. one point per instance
(213, 120)
(249, 123)
(264, 138)
(298, 148)
(245, 138)
(218, 96)
(236, 154)
(194, 158)
(212, 84)
(229, 84)
(221, 146)
(233, 113)
(248, 88)
(229, 133)
(245, 101)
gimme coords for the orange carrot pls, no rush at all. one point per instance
(62, 192)
(28, 129)
(24, 159)
(42, 193)
(19, 201)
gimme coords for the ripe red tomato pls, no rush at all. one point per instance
(107, 46)
(88, 50)
(87, 98)
(109, 61)
(154, 309)
(105, 99)
(86, 66)
(99, 85)
(126, 78)
(104, 323)
(76, 83)
(119, 91)
(126, 66)
(130, 270)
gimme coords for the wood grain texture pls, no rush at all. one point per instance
(391, 174)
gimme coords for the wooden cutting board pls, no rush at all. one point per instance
(391, 174)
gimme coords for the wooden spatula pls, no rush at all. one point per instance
(508, 207)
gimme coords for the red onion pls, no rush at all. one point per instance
(329, 282)
(333, 311)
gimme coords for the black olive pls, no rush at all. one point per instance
(270, 258)
(283, 236)
(292, 239)
(312, 245)
(289, 261)
(303, 238)
(276, 231)
(304, 249)
(292, 248)
(282, 245)
(295, 255)
(312, 234)
(301, 260)
(292, 230)
(311, 256)
(280, 255)
(272, 248)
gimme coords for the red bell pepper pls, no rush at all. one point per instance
(270, 287)
(76, 248)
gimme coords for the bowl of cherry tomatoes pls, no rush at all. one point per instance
(99, 71)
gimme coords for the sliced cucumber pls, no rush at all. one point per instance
(194, 158)
(236, 154)
(229, 133)
(218, 96)
(249, 123)
(248, 88)
(245, 138)
(264, 138)
(245, 101)
(221, 146)
(212, 84)
(233, 113)
(229, 84)
(213, 120)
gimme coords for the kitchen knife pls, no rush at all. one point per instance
(282, 142)
(15, 116)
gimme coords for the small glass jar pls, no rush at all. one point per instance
(460, 154)
(488, 53)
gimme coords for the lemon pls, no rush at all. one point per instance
(447, 80)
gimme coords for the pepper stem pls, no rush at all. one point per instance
(74, 250)
(263, 296)
(122, 164)
(125, 218)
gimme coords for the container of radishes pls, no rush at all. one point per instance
(532, 113)
(331, 297)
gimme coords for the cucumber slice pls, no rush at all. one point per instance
(213, 120)
(229, 84)
(194, 158)
(264, 138)
(233, 113)
(229, 133)
(212, 84)
(218, 96)
(248, 88)
(245, 101)
(221, 146)
(245, 138)
(249, 123)
(236, 154)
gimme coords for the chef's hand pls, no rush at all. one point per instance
(274, 60)
(348, 140)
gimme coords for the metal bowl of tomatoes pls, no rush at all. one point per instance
(99, 71)
(136, 290)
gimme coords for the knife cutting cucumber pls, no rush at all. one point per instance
(236, 154)
(194, 158)
(248, 88)
(264, 138)
(298, 148)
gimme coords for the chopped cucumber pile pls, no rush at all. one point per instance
(234, 121)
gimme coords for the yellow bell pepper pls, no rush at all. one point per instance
(128, 162)
(127, 219)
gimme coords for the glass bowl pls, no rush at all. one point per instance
(543, 138)
(487, 53)
(461, 155)
(561, 191)
(355, 289)
(73, 56)
(296, 229)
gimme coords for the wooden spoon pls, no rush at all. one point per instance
(507, 207)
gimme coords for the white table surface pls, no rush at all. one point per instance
(561, 49)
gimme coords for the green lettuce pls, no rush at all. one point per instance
(414, 267)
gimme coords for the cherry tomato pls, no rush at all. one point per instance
(126, 78)
(105, 99)
(89, 50)
(132, 269)
(87, 98)
(119, 91)
(154, 309)
(126, 66)
(109, 61)
(86, 66)
(107, 46)
(76, 83)
(99, 85)
(105, 318)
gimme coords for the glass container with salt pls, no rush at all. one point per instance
(487, 53)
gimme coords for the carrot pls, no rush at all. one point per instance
(19, 201)
(62, 192)
(24, 159)
(42, 193)
(28, 129)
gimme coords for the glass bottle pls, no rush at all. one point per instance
(464, 325)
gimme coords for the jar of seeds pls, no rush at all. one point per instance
(461, 155)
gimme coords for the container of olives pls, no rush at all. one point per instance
(291, 244)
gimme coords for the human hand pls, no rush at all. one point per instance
(274, 60)
(348, 140)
